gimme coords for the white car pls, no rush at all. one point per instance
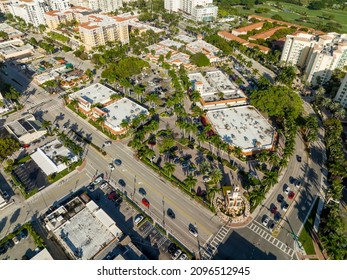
(15, 240)
(138, 219)
(176, 254)
(111, 166)
(287, 190)
(266, 220)
(103, 185)
(183, 257)
(193, 231)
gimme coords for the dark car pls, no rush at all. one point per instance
(121, 182)
(277, 216)
(273, 209)
(9, 244)
(118, 162)
(171, 213)
(142, 191)
(145, 202)
(3, 250)
(112, 195)
(299, 159)
(172, 248)
(280, 198)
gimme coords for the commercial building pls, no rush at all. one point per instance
(59, 5)
(10, 31)
(50, 157)
(244, 127)
(103, 28)
(134, 24)
(90, 96)
(102, 5)
(319, 55)
(119, 111)
(341, 95)
(32, 11)
(26, 129)
(202, 46)
(15, 48)
(83, 229)
(216, 89)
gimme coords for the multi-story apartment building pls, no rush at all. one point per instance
(103, 5)
(5, 6)
(55, 17)
(341, 95)
(199, 10)
(59, 5)
(103, 28)
(297, 49)
(317, 55)
(32, 11)
(172, 5)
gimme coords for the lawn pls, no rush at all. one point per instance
(305, 236)
(292, 12)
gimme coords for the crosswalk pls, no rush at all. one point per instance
(270, 238)
(212, 247)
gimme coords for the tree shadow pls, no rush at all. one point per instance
(3, 223)
(15, 215)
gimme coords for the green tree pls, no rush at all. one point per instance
(169, 168)
(190, 182)
(270, 179)
(211, 193)
(8, 146)
(216, 175)
(200, 59)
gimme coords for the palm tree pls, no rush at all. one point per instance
(74, 103)
(274, 159)
(211, 192)
(169, 168)
(101, 120)
(202, 138)
(237, 151)
(216, 175)
(190, 182)
(270, 179)
(66, 161)
(47, 124)
(125, 123)
(205, 167)
(262, 156)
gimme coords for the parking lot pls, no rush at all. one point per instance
(144, 235)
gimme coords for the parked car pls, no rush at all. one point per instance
(185, 164)
(23, 234)
(138, 219)
(5, 195)
(103, 185)
(170, 213)
(291, 195)
(9, 244)
(298, 158)
(91, 187)
(297, 183)
(183, 257)
(142, 191)
(286, 190)
(3, 250)
(108, 143)
(285, 206)
(176, 254)
(266, 220)
(273, 209)
(271, 225)
(280, 198)
(15, 239)
(98, 180)
(277, 216)
(172, 248)
(112, 195)
(193, 231)
(145, 202)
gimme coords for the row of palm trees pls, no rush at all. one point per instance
(332, 228)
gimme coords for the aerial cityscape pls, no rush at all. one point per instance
(173, 130)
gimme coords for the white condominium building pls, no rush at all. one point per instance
(198, 10)
(32, 11)
(59, 5)
(341, 95)
(317, 55)
(103, 5)
(172, 5)
(297, 49)
(103, 28)
(5, 6)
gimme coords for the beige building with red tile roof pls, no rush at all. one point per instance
(266, 34)
(245, 29)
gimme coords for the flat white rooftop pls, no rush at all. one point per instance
(184, 38)
(122, 109)
(202, 46)
(212, 84)
(170, 43)
(242, 126)
(84, 234)
(12, 32)
(96, 93)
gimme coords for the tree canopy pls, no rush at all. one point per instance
(124, 69)
(278, 101)
(7, 147)
(200, 59)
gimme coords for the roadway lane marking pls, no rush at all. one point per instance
(268, 237)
